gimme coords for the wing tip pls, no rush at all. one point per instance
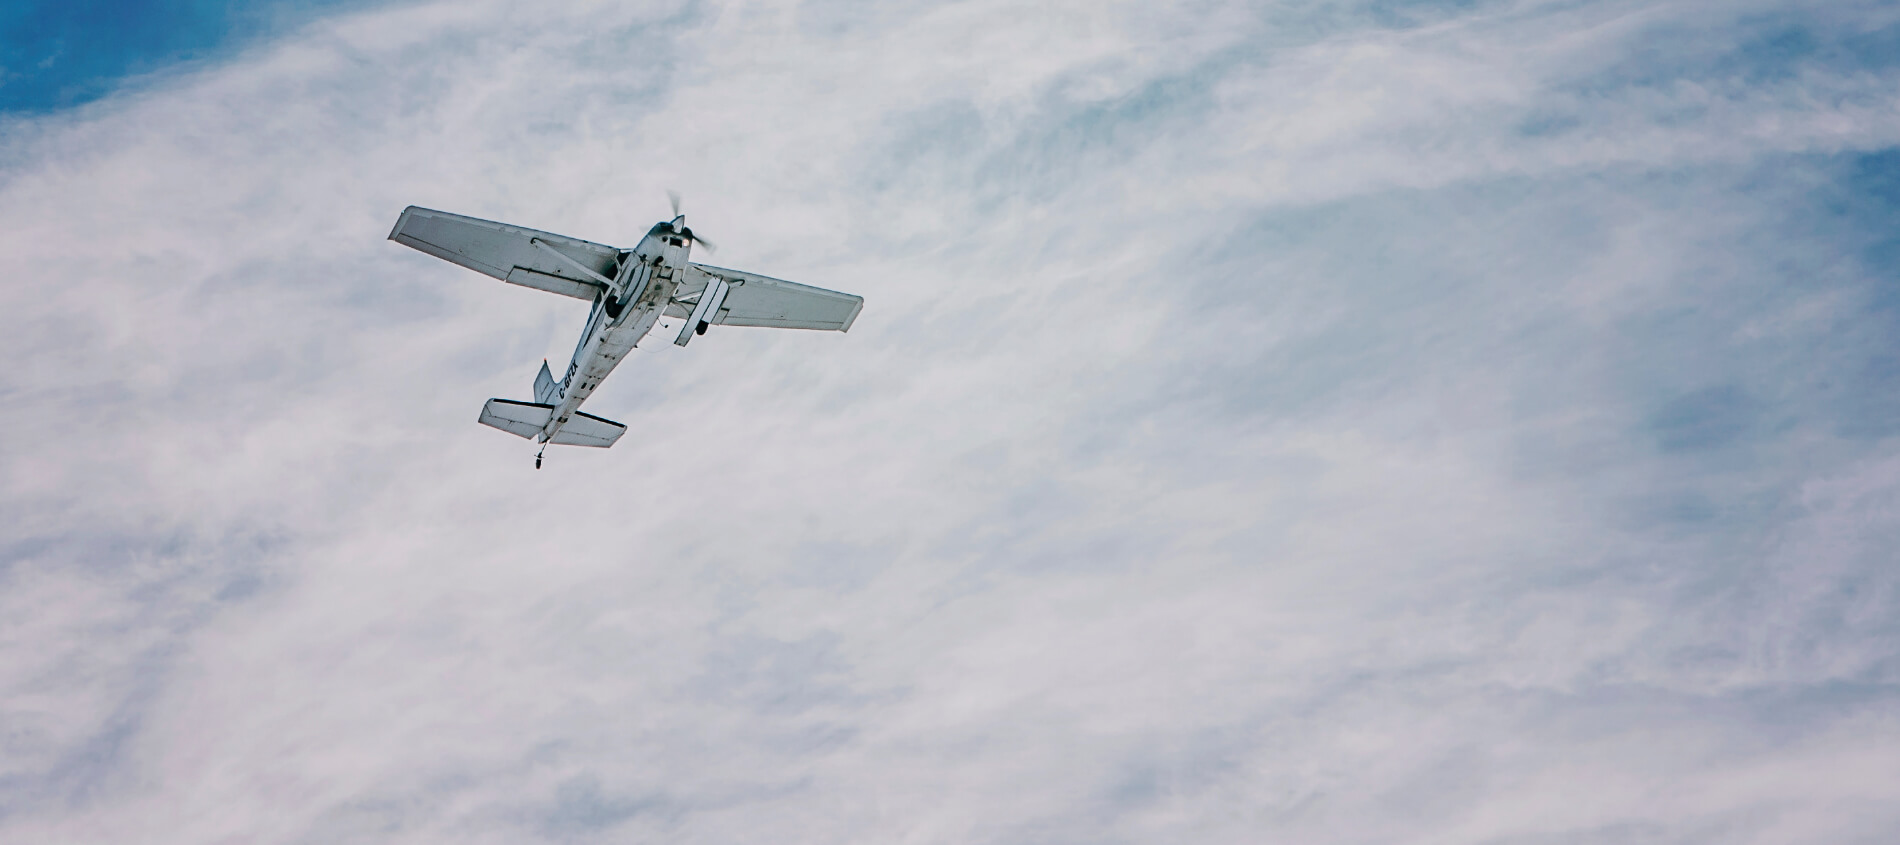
(855, 309)
(400, 220)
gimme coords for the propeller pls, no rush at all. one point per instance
(709, 245)
(679, 220)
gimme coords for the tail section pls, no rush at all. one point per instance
(546, 391)
(529, 419)
(521, 419)
(588, 430)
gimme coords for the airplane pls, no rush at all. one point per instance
(631, 289)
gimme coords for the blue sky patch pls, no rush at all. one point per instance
(56, 55)
(1741, 55)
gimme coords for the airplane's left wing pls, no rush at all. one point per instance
(527, 257)
(755, 300)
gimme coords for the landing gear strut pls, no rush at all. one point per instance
(537, 456)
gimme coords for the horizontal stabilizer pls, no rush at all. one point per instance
(521, 419)
(588, 430)
(527, 419)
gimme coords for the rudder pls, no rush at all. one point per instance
(545, 389)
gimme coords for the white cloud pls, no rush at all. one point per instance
(1333, 423)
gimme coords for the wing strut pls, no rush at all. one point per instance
(571, 262)
(705, 312)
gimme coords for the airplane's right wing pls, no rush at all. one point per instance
(549, 262)
(755, 300)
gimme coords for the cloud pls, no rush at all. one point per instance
(1335, 422)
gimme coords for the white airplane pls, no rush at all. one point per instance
(631, 289)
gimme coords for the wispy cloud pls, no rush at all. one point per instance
(1462, 422)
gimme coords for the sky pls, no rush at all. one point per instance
(61, 54)
(1272, 421)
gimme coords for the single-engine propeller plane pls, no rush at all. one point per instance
(631, 289)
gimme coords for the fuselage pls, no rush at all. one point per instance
(645, 284)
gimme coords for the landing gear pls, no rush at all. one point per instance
(537, 457)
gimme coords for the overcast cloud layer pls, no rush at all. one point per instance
(1269, 422)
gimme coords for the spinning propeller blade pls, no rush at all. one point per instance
(673, 197)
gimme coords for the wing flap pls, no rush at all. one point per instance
(755, 300)
(506, 252)
(552, 283)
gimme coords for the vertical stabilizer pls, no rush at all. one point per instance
(546, 391)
